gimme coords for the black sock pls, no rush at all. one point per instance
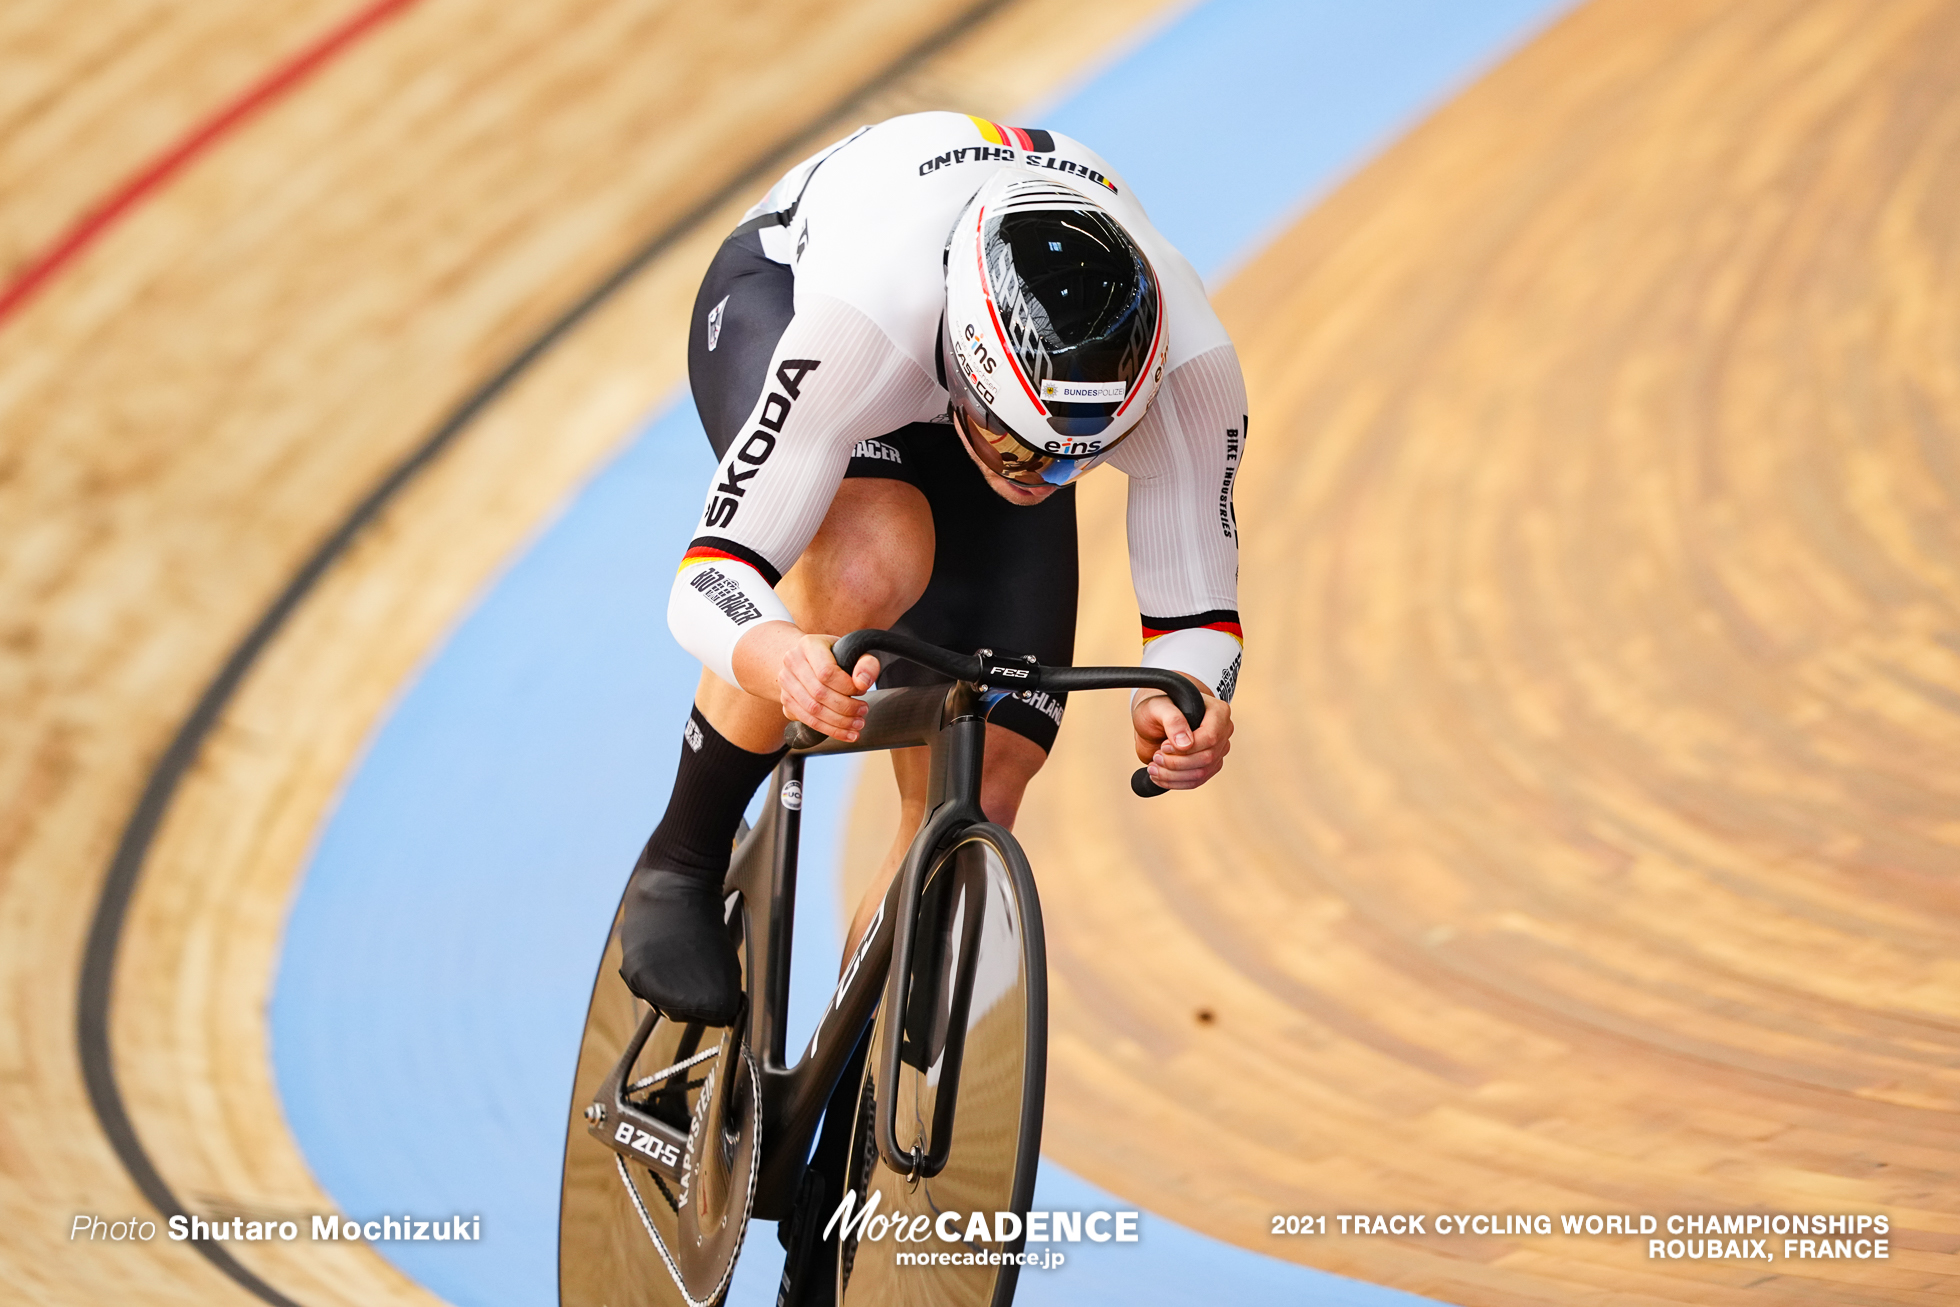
(714, 784)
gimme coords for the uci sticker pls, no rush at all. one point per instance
(793, 795)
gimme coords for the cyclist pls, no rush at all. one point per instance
(904, 357)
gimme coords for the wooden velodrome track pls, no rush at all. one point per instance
(1591, 841)
(192, 405)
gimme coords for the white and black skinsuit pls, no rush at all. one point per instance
(815, 355)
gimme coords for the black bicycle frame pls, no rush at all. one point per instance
(765, 870)
(952, 723)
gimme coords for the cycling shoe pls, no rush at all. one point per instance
(676, 953)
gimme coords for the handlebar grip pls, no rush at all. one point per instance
(849, 648)
(1192, 705)
(1188, 701)
(895, 644)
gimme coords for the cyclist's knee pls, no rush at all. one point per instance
(870, 561)
(877, 591)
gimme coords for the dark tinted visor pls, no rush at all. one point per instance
(1079, 308)
(1001, 451)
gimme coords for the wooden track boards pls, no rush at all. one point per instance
(197, 401)
(1591, 841)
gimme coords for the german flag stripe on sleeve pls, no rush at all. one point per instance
(1225, 620)
(706, 547)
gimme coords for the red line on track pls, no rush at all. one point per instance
(132, 192)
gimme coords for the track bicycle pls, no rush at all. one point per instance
(926, 1070)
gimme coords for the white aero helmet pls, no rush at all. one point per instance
(1054, 343)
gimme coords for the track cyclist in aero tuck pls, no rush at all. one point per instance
(904, 358)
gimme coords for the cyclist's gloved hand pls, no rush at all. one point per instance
(1178, 757)
(676, 953)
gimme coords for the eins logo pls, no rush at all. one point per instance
(1072, 448)
(974, 360)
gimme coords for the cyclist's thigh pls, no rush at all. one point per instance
(1004, 576)
(745, 303)
(868, 562)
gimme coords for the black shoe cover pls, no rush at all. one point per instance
(676, 953)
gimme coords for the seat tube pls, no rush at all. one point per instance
(781, 926)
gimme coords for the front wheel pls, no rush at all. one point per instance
(966, 1104)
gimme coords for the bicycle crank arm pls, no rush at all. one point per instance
(632, 1133)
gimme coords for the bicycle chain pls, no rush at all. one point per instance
(867, 1159)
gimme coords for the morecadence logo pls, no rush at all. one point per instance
(980, 1238)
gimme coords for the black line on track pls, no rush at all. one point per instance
(139, 832)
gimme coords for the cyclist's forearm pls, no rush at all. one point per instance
(718, 601)
(1208, 650)
(757, 660)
